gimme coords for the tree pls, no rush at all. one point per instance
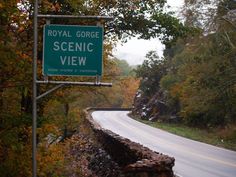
(205, 70)
(16, 41)
(145, 19)
(201, 14)
(198, 80)
(124, 67)
(151, 72)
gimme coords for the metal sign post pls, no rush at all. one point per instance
(73, 63)
(34, 123)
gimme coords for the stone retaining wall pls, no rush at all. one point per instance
(135, 159)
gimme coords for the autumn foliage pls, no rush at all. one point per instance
(195, 80)
(59, 113)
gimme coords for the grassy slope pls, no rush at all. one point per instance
(225, 138)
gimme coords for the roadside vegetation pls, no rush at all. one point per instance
(194, 84)
(60, 113)
(225, 138)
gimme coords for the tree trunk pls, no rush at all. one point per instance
(66, 113)
(26, 101)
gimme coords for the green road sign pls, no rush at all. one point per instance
(72, 50)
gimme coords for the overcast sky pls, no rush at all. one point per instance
(134, 50)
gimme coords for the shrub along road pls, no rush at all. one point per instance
(193, 159)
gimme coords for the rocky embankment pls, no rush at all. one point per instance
(95, 152)
(133, 159)
(90, 159)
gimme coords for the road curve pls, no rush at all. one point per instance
(192, 158)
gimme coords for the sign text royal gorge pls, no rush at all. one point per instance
(72, 50)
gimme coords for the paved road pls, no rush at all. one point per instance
(193, 159)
